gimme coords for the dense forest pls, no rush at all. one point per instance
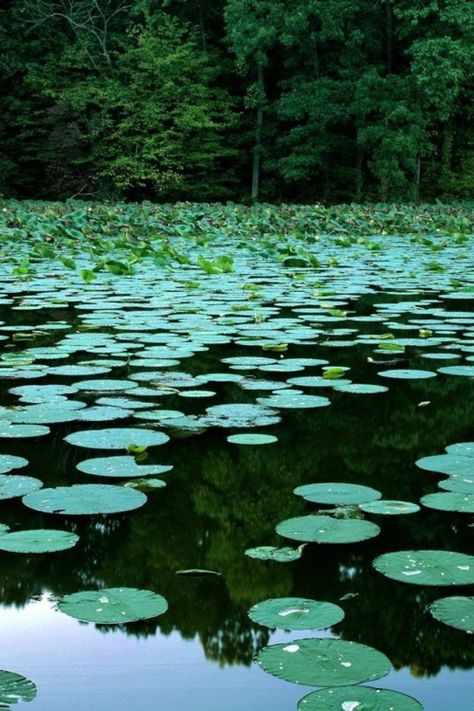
(293, 100)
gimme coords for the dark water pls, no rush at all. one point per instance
(220, 500)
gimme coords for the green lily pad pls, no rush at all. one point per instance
(464, 449)
(466, 371)
(248, 438)
(388, 507)
(427, 567)
(146, 484)
(455, 611)
(112, 606)
(324, 662)
(9, 462)
(84, 499)
(280, 555)
(296, 613)
(462, 484)
(105, 385)
(286, 400)
(407, 374)
(121, 467)
(10, 431)
(12, 485)
(117, 438)
(449, 501)
(447, 464)
(361, 388)
(15, 689)
(325, 529)
(38, 541)
(337, 493)
(239, 415)
(358, 698)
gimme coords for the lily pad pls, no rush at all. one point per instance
(325, 529)
(324, 662)
(15, 689)
(358, 698)
(465, 371)
(337, 493)
(10, 431)
(12, 485)
(84, 499)
(38, 541)
(280, 555)
(361, 388)
(248, 438)
(455, 611)
(389, 507)
(117, 438)
(447, 464)
(449, 501)
(112, 606)
(9, 462)
(464, 449)
(296, 613)
(407, 374)
(427, 567)
(121, 467)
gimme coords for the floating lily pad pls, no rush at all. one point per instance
(9, 431)
(83, 499)
(466, 371)
(449, 501)
(407, 374)
(455, 611)
(286, 400)
(146, 484)
(117, 438)
(325, 529)
(280, 555)
(427, 567)
(462, 484)
(12, 485)
(358, 698)
(296, 613)
(111, 606)
(15, 689)
(240, 415)
(248, 438)
(447, 464)
(121, 467)
(464, 449)
(337, 493)
(361, 388)
(106, 385)
(38, 541)
(324, 662)
(79, 370)
(9, 462)
(388, 507)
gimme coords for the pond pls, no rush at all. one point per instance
(222, 477)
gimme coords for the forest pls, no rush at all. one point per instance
(241, 100)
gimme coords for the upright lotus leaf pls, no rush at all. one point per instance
(449, 501)
(337, 493)
(427, 567)
(280, 555)
(121, 467)
(112, 606)
(325, 529)
(358, 698)
(117, 438)
(252, 439)
(389, 507)
(15, 689)
(296, 613)
(84, 499)
(454, 611)
(12, 485)
(9, 462)
(38, 541)
(447, 464)
(324, 662)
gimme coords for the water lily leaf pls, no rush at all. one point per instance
(462, 484)
(280, 555)
(10, 431)
(447, 464)
(337, 493)
(464, 449)
(407, 374)
(325, 529)
(358, 698)
(106, 385)
(121, 467)
(83, 499)
(388, 507)
(38, 541)
(324, 662)
(427, 567)
(455, 611)
(111, 606)
(285, 399)
(15, 689)
(296, 613)
(449, 501)
(361, 388)
(146, 484)
(466, 371)
(240, 415)
(8, 462)
(12, 485)
(248, 438)
(117, 438)
(198, 572)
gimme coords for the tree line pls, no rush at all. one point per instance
(275, 100)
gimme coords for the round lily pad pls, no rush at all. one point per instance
(455, 611)
(296, 613)
(462, 484)
(388, 507)
(447, 464)
(15, 689)
(324, 662)
(449, 501)
(465, 449)
(325, 529)
(337, 493)
(466, 371)
(83, 499)
(12, 485)
(361, 388)
(112, 606)
(38, 541)
(117, 438)
(240, 415)
(10, 431)
(248, 438)
(286, 400)
(9, 462)
(407, 374)
(105, 385)
(280, 555)
(121, 466)
(358, 698)
(427, 567)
